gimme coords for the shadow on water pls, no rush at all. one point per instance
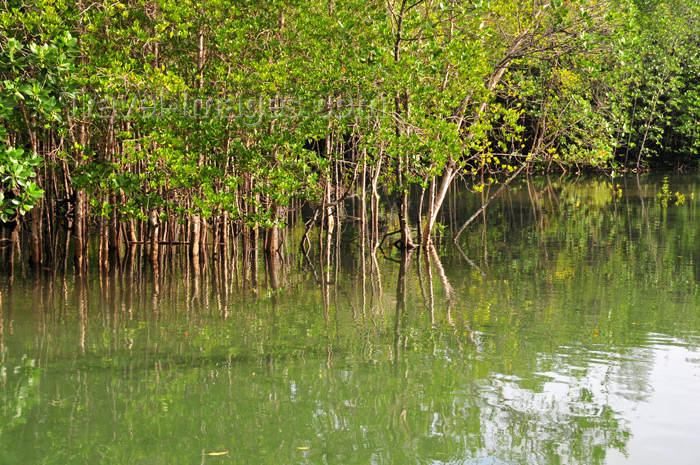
(532, 341)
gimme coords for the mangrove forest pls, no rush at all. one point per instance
(212, 125)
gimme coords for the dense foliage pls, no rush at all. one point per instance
(180, 121)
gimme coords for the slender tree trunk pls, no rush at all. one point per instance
(114, 236)
(80, 231)
(35, 243)
(195, 232)
(254, 258)
(437, 201)
(363, 204)
(14, 246)
(374, 199)
(203, 237)
(402, 165)
(225, 237)
(102, 243)
(154, 230)
(330, 218)
(404, 225)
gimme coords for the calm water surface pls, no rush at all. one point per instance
(565, 331)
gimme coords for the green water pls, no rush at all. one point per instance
(567, 331)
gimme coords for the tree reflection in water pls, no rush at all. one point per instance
(534, 354)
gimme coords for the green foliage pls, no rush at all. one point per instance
(657, 105)
(32, 79)
(251, 107)
(18, 193)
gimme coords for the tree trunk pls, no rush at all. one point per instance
(35, 247)
(114, 236)
(154, 227)
(272, 234)
(436, 203)
(80, 231)
(404, 226)
(194, 239)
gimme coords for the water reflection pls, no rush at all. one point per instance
(572, 338)
(665, 424)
